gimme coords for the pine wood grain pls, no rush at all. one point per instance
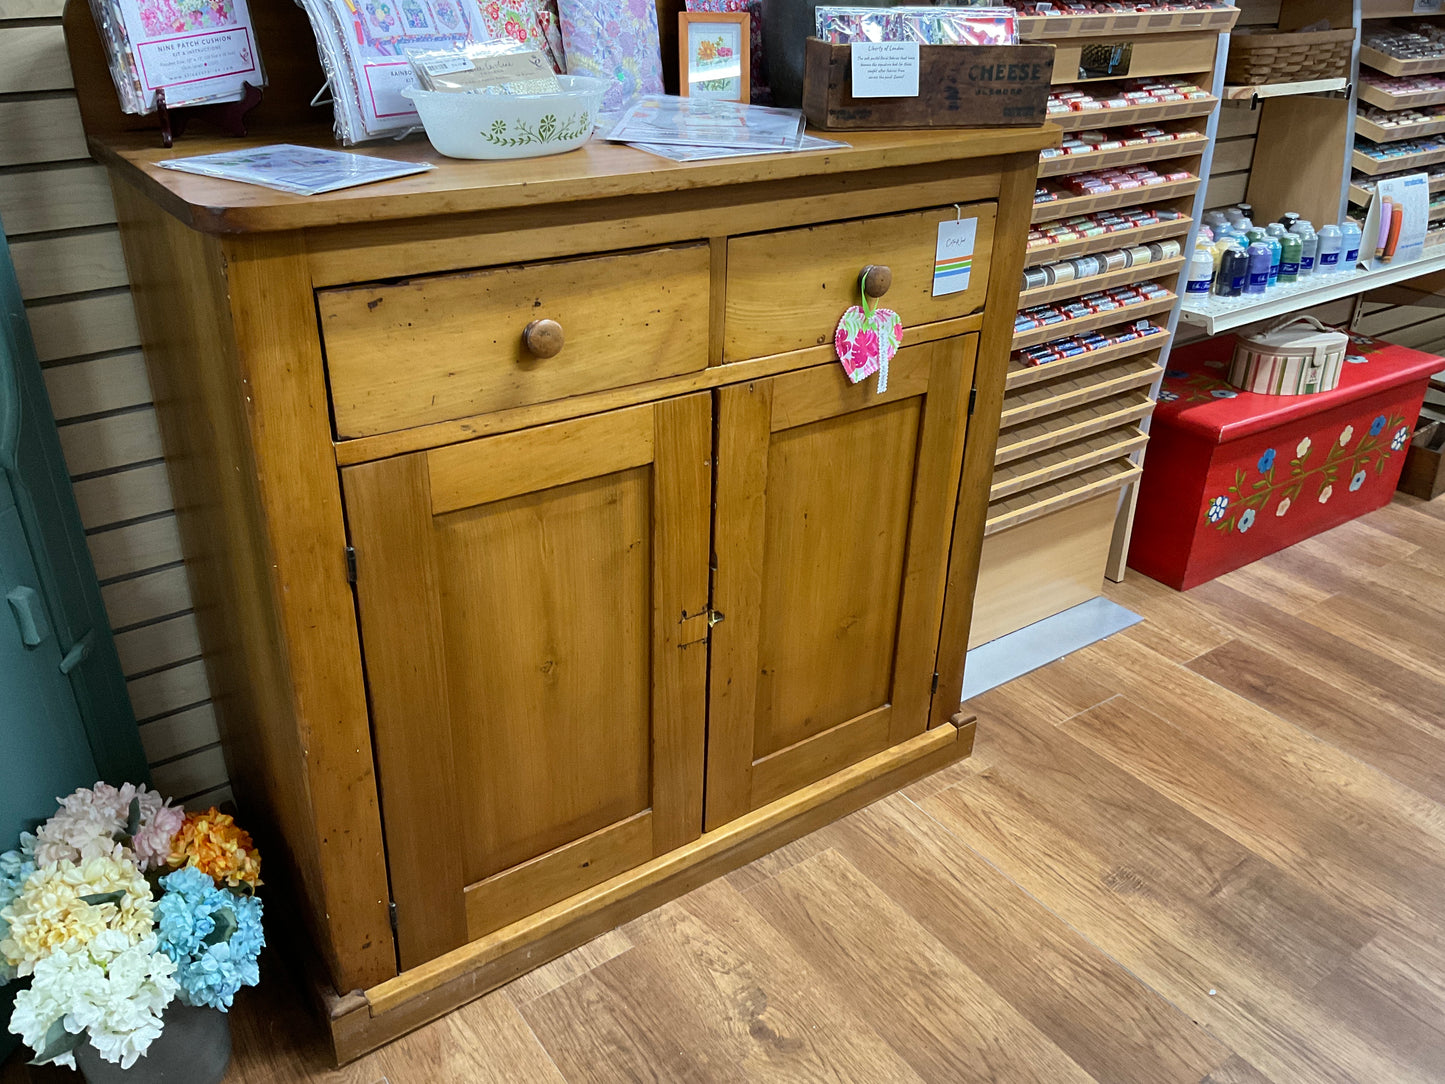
(57, 197)
(69, 263)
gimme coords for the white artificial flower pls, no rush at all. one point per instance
(112, 991)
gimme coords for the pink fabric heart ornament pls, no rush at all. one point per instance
(866, 340)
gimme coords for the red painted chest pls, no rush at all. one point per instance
(1232, 476)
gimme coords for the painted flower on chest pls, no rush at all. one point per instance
(1217, 508)
(1246, 521)
(1357, 481)
(1326, 494)
(1302, 449)
(1266, 461)
(1224, 393)
(1283, 507)
(1346, 435)
(1401, 436)
(1377, 426)
(1167, 396)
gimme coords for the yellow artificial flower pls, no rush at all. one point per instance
(50, 911)
(212, 843)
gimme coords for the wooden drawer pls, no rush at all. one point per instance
(787, 290)
(448, 346)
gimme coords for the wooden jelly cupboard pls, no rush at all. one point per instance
(546, 560)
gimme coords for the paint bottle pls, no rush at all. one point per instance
(1259, 259)
(1233, 272)
(1289, 246)
(1331, 241)
(1350, 234)
(1309, 246)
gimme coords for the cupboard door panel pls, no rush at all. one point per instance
(832, 512)
(534, 630)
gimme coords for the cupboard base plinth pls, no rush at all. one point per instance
(416, 997)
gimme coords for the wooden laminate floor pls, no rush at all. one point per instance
(1209, 850)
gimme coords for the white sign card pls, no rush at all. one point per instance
(199, 52)
(1394, 231)
(885, 69)
(953, 257)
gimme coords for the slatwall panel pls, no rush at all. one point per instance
(56, 208)
(1417, 322)
(1234, 145)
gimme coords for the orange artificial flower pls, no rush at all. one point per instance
(212, 843)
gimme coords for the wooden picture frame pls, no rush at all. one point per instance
(724, 35)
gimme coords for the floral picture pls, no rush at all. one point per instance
(174, 16)
(715, 60)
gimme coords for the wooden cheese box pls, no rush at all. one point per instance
(1424, 473)
(961, 86)
(1233, 476)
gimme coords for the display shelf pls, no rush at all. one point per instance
(1123, 156)
(1066, 459)
(1283, 90)
(1149, 55)
(1035, 436)
(1384, 62)
(1361, 196)
(1385, 100)
(1066, 390)
(1144, 272)
(1139, 235)
(1122, 315)
(1216, 314)
(1437, 211)
(1401, 164)
(1389, 9)
(1138, 114)
(1053, 496)
(1049, 27)
(1053, 210)
(1364, 126)
(1021, 374)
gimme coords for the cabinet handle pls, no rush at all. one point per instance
(29, 614)
(543, 338)
(877, 278)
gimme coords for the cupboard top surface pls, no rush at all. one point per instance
(598, 170)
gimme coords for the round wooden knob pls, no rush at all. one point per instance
(876, 279)
(543, 338)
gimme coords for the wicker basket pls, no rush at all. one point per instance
(1289, 58)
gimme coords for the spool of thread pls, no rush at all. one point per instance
(1289, 218)
(1233, 273)
(1328, 257)
(1140, 254)
(1168, 249)
(1289, 246)
(1309, 247)
(1350, 242)
(1201, 272)
(1063, 271)
(1115, 261)
(1276, 252)
(1259, 259)
(1034, 277)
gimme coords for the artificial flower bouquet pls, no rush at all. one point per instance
(116, 905)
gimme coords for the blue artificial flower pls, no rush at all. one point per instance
(15, 869)
(1266, 461)
(1246, 521)
(187, 916)
(1377, 426)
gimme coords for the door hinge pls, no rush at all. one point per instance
(935, 682)
(351, 569)
(972, 400)
(391, 914)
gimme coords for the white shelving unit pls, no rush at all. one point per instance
(1217, 314)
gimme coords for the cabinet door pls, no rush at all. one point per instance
(833, 519)
(534, 624)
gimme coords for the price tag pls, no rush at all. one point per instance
(953, 258)
(885, 69)
(1426, 7)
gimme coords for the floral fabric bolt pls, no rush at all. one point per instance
(615, 40)
(866, 341)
